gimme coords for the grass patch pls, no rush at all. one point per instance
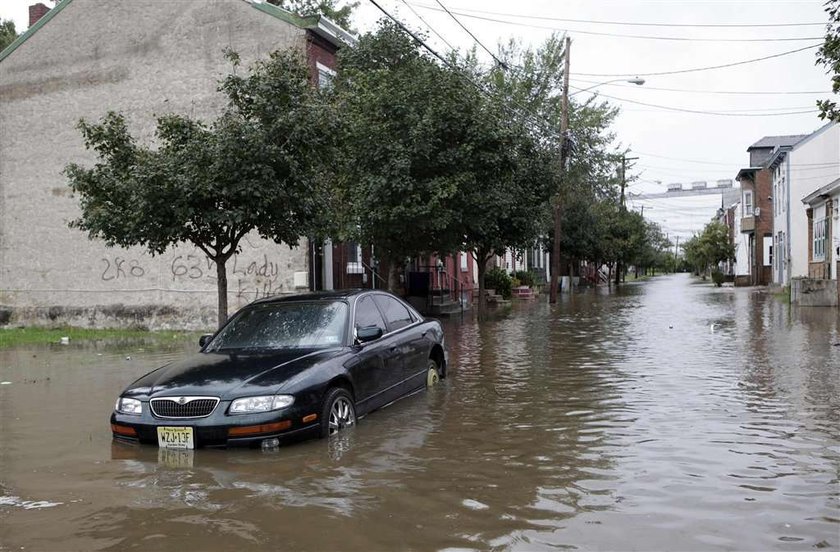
(783, 295)
(13, 337)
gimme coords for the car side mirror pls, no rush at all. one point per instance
(204, 340)
(368, 333)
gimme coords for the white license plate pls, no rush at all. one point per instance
(175, 437)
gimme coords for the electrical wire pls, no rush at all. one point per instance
(615, 35)
(458, 21)
(696, 91)
(708, 68)
(742, 113)
(418, 16)
(639, 24)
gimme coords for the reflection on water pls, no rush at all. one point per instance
(670, 415)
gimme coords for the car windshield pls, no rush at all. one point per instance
(284, 325)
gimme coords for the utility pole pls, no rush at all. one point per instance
(564, 128)
(624, 160)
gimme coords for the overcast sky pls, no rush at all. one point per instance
(672, 145)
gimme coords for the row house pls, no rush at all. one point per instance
(757, 213)
(789, 228)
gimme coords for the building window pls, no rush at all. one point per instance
(748, 203)
(820, 227)
(354, 258)
(325, 76)
(464, 262)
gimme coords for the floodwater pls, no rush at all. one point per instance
(668, 416)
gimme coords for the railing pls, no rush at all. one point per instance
(443, 286)
(373, 276)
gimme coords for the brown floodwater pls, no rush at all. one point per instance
(668, 416)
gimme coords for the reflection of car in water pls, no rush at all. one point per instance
(286, 366)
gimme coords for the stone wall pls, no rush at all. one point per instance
(807, 292)
(143, 58)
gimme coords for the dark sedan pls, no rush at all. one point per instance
(285, 366)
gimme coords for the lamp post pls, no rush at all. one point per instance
(637, 81)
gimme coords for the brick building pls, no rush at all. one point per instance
(142, 58)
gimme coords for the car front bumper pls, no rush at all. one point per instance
(215, 429)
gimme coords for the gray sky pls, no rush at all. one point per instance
(673, 146)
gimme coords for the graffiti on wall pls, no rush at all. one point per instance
(251, 275)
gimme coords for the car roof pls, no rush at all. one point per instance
(315, 296)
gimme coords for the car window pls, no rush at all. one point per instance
(396, 315)
(367, 314)
(284, 325)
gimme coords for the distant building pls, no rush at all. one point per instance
(143, 58)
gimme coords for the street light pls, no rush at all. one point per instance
(637, 81)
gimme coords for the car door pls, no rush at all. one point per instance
(410, 342)
(375, 374)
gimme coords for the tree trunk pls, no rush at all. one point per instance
(555, 255)
(609, 274)
(481, 261)
(393, 281)
(222, 287)
(617, 273)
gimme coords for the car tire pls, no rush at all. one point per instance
(338, 413)
(432, 374)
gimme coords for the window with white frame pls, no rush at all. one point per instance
(354, 258)
(325, 76)
(748, 203)
(464, 262)
(820, 227)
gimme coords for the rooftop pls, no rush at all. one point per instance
(778, 141)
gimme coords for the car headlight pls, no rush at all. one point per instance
(128, 406)
(265, 403)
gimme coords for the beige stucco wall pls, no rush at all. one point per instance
(142, 57)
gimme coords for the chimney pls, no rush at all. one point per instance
(36, 12)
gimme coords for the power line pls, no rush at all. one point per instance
(458, 21)
(639, 24)
(617, 35)
(709, 68)
(742, 113)
(697, 91)
(440, 36)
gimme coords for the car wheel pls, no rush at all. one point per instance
(339, 412)
(432, 374)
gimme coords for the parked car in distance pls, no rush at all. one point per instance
(286, 366)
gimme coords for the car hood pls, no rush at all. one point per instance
(221, 374)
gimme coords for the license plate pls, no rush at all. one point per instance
(175, 437)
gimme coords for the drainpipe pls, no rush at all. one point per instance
(787, 216)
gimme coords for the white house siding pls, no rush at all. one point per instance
(813, 162)
(143, 58)
(742, 247)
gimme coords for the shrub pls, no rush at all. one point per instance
(498, 279)
(717, 277)
(526, 277)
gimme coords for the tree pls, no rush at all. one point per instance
(403, 120)
(328, 8)
(829, 56)
(256, 167)
(8, 34)
(712, 246)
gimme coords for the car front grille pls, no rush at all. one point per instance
(183, 407)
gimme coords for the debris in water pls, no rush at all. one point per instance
(474, 504)
(128, 358)
(5, 383)
(65, 340)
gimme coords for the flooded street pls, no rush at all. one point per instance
(669, 416)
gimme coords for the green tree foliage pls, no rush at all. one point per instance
(404, 119)
(328, 8)
(256, 167)
(829, 56)
(709, 248)
(8, 34)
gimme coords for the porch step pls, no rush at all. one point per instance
(446, 308)
(523, 292)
